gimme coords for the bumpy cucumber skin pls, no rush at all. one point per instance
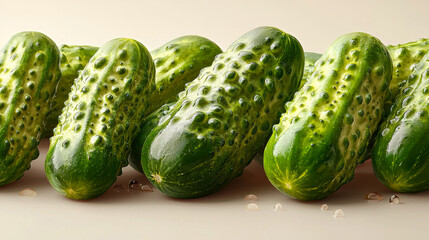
(73, 59)
(150, 122)
(224, 116)
(100, 120)
(405, 58)
(177, 63)
(29, 74)
(401, 152)
(310, 61)
(325, 131)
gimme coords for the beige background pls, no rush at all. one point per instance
(315, 23)
(137, 215)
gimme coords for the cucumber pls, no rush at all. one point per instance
(311, 58)
(401, 152)
(177, 63)
(29, 74)
(100, 120)
(150, 122)
(405, 57)
(224, 116)
(310, 61)
(326, 129)
(73, 60)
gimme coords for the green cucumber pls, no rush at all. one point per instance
(310, 61)
(405, 57)
(401, 152)
(73, 60)
(100, 120)
(177, 63)
(150, 122)
(29, 74)
(326, 129)
(224, 116)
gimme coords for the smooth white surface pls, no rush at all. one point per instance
(144, 215)
(223, 215)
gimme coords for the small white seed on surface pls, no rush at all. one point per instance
(394, 199)
(278, 207)
(251, 197)
(28, 192)
(338, 213)
(324, 207)
(373, 196)
(252, 207)
(146, 188)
